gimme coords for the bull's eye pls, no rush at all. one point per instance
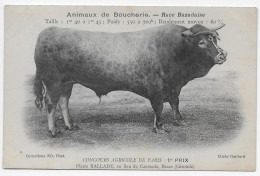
(202, 44)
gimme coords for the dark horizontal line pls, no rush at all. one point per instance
(155, 15)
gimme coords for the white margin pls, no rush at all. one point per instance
(206, 3)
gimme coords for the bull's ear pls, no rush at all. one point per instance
(186, 33)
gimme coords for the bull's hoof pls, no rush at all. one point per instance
(73, 127)
(54, 133)
(167, 131)
(160, 126)
(154, 130)
(180, 123)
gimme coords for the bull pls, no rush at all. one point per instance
(154, 63)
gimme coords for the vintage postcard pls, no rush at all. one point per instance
(130, 88)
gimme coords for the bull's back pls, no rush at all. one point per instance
(112, 46)
(93, 57)
(117, 47)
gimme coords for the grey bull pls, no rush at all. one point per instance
(154, 63)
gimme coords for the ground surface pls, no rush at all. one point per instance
(209, 105)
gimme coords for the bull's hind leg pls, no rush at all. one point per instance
(51, 119)
(157, 105)
(51, 100)
(63, 103)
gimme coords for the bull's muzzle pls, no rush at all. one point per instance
(221, 57)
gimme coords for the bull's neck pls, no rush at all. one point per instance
(195, 69)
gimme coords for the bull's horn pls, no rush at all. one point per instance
(203, 32)
(187, 33)
(218, 27)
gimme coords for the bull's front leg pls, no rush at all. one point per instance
(174, 102)
(157, 105)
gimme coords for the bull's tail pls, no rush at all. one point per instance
(38, 91)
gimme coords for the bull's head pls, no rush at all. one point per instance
(205, 40)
